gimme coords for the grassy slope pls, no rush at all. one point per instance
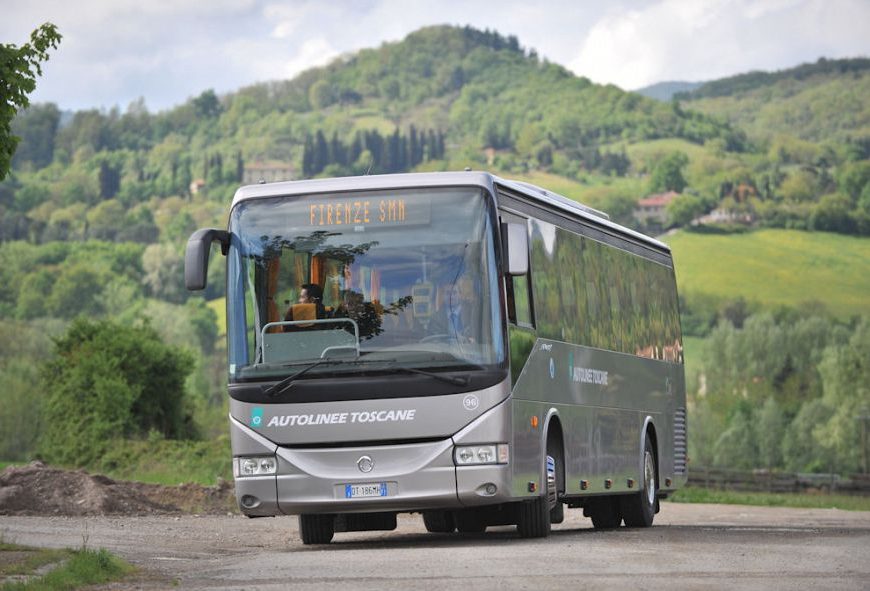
(775, 267)
(817, 108)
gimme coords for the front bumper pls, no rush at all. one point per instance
(415, 476)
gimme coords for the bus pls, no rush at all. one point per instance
(474, 349)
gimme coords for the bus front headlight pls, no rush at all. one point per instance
(494, 453)
(256, 466)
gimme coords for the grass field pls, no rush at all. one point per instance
(800, 501)
(776, 267)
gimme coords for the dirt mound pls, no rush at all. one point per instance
(37, 489)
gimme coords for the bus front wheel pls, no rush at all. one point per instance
(534, 517)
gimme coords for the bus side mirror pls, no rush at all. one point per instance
(517, 248)
(196, 256)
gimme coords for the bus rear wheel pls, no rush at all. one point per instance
(316, 529)
(639, 509)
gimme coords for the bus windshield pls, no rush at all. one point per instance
(405, 280)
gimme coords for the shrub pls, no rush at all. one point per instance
(109, 381)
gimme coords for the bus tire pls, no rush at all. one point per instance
(533, 518)
(605, 512)
(316, 529)
(439, 522)
(556, 480)
(639, 509)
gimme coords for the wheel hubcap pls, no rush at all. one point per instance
(649, 477)
(551, 481)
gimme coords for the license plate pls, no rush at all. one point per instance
(356, 491)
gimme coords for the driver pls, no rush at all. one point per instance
(456, 316)
(308, 307)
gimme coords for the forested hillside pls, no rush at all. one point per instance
(824, 103)
(98, 206)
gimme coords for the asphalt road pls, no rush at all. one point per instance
(689, 547)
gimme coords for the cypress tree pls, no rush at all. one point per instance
(308, 156)
(321, 153)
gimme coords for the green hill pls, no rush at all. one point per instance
(776, 267)
(818, 102)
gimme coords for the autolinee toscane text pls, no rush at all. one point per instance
(341, 418)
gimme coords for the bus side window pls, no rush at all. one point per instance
(519, 301)
(522, 303)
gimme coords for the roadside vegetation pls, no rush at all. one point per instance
(796, 500)
(75, 568)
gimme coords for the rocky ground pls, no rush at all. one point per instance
(37, 489)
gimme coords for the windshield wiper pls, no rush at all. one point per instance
(284, 384)
(463, 381)
(281, 386)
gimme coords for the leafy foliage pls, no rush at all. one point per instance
(784, 394)
(19, 67)
(111, 381)
(668, 174)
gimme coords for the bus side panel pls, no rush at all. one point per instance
(602, 400)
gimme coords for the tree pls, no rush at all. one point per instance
(831, 214)
(320, 95)
(207, 105)
(683, 209)
(19, 67)
(108, 381)
(78, 290)
(37, 127)
(164, 269)
(737, 447)
(801, 451)
(770, 430)
(668, 173)
(845, 374)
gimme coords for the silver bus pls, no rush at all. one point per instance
(478, 350)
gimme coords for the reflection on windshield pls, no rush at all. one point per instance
(414, 280)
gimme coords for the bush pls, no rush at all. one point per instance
(110, 381)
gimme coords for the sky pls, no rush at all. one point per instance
(114, 52)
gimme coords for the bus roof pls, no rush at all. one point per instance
(440, 179)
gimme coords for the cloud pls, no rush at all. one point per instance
(707, 39)
(115, 51)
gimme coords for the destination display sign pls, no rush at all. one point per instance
(377, 211)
